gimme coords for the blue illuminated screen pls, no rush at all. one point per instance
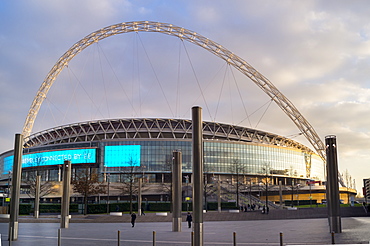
(122, 156)
(76, 156)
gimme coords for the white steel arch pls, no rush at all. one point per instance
(148, 26)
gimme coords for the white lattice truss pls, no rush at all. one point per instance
(148, 26)
(154, 129)
(187, 35)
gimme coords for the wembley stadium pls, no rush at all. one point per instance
(248, 165)
(233, 155)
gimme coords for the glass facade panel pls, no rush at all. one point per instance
(220, 157)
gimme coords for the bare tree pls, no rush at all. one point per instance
(348, 182)
(239, 169)
(167, 186)
(128, 179)
(266, 180)
(87, 184)
(208, 188)
(46, 187)
(294, 187)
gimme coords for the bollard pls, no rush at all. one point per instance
(332, 237)
(234, 238)
(281, 239)
(59, 237)
(153, 238)
(192, 238)
(119, 238)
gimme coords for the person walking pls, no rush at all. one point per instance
(133, 218)
(189, 219)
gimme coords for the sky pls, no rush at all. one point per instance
(317, 53)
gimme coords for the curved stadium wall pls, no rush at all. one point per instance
(146, 145)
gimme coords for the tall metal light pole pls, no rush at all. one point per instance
(280, 194)
(259, 190)
(198, 175)
(64, 221)
(16, 186)
(59, 173)
(267, 198)
(187, 192)
(176, 191)
(332, 186)
(37, 197)
(139, 197)
(267, 186)
(205, 191)
(108, 179)
(9, 192)
(298, 185)
(310, 184)
(219, 195)
(292, 192)
(250, 191)
(237, 185)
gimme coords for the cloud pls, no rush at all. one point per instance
(315, 52)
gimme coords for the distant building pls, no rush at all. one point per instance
(366, 190)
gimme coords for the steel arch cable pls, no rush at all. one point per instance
(148, 26)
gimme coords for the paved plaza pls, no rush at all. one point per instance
(255, 232)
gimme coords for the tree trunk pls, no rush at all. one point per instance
(131, 200)
(85, 204)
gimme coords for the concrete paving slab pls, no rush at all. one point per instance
(257, 232)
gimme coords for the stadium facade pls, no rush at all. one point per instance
(112, 145)
(145, 146)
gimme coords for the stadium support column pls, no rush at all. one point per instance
(16, 186)
(198, 175)
(176, 191)
(332, 186)
(64, 217)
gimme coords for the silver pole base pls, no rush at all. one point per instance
(176, 224)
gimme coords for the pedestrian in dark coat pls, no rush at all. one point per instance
(189, 219)
(133, 218)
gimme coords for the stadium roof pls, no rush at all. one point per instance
(150, 128)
